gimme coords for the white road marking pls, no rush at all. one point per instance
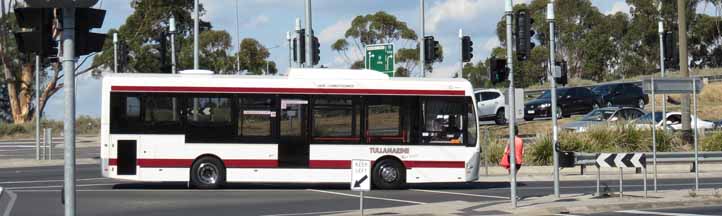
(637, 212)
(13, 197)
(610, 185)
(311, 213)
(565, 215)
(60, 186)
(461, 194)
(54, 180)
(367, 197)
(17, 146)
(159, 190)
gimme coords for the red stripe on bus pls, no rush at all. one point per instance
(346, 164)
(186, 163)
(284, 90)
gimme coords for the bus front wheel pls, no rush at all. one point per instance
(208, 173)
(388, 174)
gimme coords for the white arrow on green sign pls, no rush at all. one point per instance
(380, 57)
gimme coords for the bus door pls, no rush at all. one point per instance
(293, 148)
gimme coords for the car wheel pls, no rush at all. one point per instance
(208, 173)
(388, 174)
(500, 117)
(640, 103)
(528, 118)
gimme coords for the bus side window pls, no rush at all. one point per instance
(336, 119)
(384, 120)
(443, 120)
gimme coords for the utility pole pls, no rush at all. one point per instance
(37, 107)
(664, 102)
(238, 35)
(552, 70)
(115, 52)
(172, 31)
(195, 35)
(422, 53)
(683, 68)
(461, 55)
(309, 35)
(68, 38)
(512, 111)
(290, 49)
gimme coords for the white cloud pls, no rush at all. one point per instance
(334, 32)
(491, 43)
(619, 7)
(257, 21)
(445, 71)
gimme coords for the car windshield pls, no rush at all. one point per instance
(647, 118)
(598, 115)
(548, 93)
(601, 89)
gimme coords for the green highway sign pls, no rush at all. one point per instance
(380, 57)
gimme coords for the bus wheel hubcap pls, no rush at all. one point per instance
(208, 173)
(389, 173)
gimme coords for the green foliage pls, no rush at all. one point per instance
(379, 28)
(541, 152)
(603, 47)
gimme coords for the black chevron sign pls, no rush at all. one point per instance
(623, 160)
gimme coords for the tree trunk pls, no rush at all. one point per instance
(20, 94)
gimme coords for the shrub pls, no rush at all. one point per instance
(712, 142)
(540, 153)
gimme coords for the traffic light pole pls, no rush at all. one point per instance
(37, 107)
(664, 104)
(512, 110)
(172, 31)
(195, 34)
(422, 53)
(69, 124)
(115, 52)
(552, 70)
(290, 50)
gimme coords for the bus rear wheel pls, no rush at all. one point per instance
(388, 174)
(208, 173)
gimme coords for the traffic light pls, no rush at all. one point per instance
(467, 49)
(498, 72)
(87, 42)
(40, 40)
(671, 50)
(300, 43)
(163, 40)
(431, 48)
(123, 54)
(524, 34)
(316, 51)
(562, 80)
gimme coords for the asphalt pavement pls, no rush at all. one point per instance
(38, 193)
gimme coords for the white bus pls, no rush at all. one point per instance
(306, 127)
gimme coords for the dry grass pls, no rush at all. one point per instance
(709, 102)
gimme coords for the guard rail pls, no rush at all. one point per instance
(589, 159)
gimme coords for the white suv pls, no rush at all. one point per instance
(490, 105)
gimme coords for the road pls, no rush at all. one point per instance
(26, 149)
(38, 191)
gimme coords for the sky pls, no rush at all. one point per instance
(269, 20)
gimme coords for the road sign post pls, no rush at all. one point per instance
(622, 160)
(676, 86)
(361, 179)
(380, 57)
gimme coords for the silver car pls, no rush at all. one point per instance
(604, 115)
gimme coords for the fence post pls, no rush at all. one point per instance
(621, 183)
(47, 143)
(599, 178)
(50, 144)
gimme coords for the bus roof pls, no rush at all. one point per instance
(330, 81)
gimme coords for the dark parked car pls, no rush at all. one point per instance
(575, 100)
(621, 94)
